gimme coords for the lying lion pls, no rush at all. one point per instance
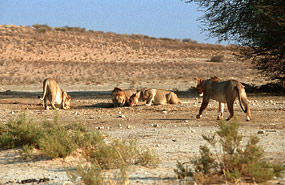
(223, 92)
(55, 95)
(155, 96)
(121, 97)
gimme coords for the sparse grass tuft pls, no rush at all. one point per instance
(90, 174)
(234, 162)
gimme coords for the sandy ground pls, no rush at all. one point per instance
(177, 135)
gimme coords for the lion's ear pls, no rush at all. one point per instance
(198, 79)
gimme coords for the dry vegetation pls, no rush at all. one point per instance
(77, 45)
(74, 55)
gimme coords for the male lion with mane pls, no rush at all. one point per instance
(55, 95)
(121, 97)
(223, 92)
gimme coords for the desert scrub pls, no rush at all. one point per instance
(233, 162)
(112, 154)
(52, 138)
(19, 132)
(217, 58)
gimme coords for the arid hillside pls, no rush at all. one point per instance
(23, 43)
(94, 58)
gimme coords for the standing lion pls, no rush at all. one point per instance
(55, 95)
(223, 92)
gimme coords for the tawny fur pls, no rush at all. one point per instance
(223, 92)
(55, 95)
(121, 97)
(155, 96)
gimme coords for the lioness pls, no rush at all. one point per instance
(155, 96)
(121, 97)
(55, 95)
(223, 92)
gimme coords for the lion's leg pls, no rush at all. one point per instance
(173, 99)
(45, 103)
(64, 95)
(202, 108)
(54, 107)
(245, 104)
(53, 102)
(230, 105)
(150, 100)
(248, 114)
(221, 111)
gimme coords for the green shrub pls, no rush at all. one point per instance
(42, 28)
(147, 158)
(233, 162)
(19, 132)
(57, 142)
(183, 170)
(115, 154)
(90, 174)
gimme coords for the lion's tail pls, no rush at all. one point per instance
(242, 97)
(44, 89)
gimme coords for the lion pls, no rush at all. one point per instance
(155, 96)
(121, 97)
(223, 92)
(55, 95)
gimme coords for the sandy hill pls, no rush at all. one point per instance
(74, 55)
(42, 43)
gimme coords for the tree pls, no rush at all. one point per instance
(257, 24)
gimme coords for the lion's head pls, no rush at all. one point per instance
(199, 86)
(134, 98)
(66, 101)
(119, 97)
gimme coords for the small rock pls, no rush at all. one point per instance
(174, 140)
(261, 132)
(154, 125)
(129, 127)
(164, 111)
(12, 112)
(122, 116)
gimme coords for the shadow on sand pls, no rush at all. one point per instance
(97, 105)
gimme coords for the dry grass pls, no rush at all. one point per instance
(41, 42)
